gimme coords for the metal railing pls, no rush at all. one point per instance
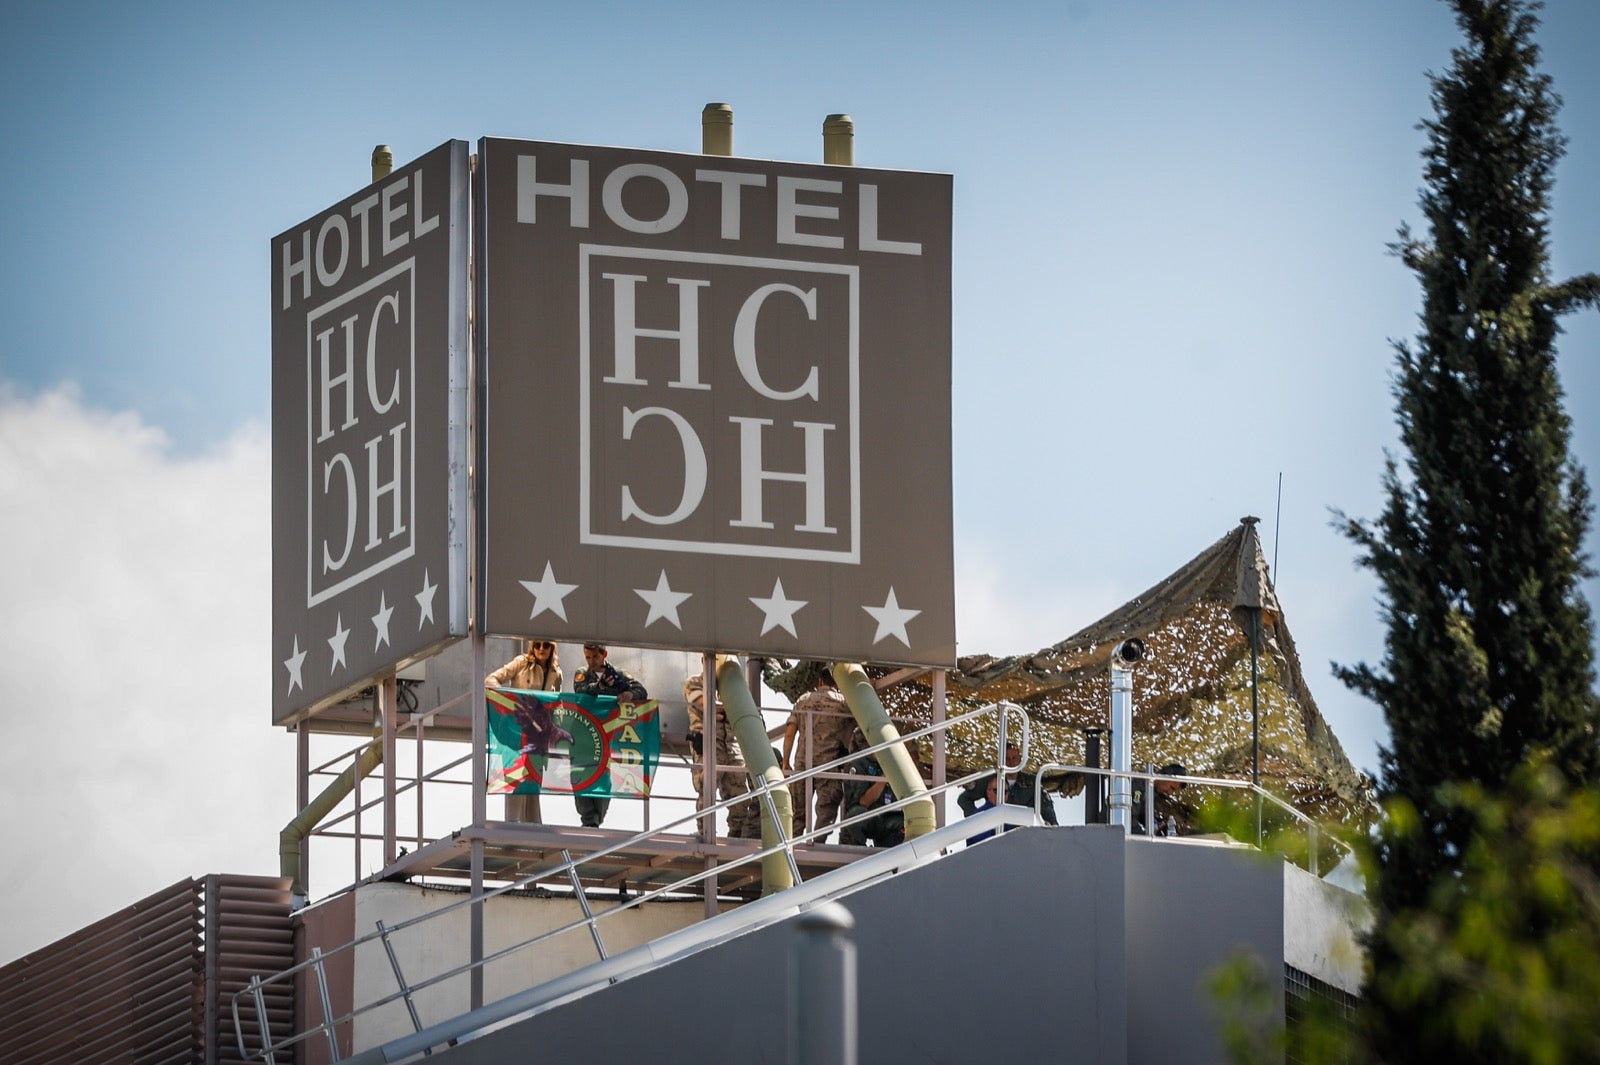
(879, 863)
(1150, 777)
(252, 997)
(768, 909)
(347, 824)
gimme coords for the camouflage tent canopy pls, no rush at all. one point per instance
(1192, 691)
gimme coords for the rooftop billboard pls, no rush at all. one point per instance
(716, 403)
(369, 433)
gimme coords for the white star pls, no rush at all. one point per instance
(381, 619)
(336, 641)
(891, 619)
(664, 602)
(425, 600)
(548, 593)
(779, 609)
(293, 664)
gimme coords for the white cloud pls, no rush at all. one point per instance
(1011, 607)
(138, 747)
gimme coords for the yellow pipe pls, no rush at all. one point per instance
(382, 162)
(750, 729)
(898, 767)
(295, 832)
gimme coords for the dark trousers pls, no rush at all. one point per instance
(591, 811)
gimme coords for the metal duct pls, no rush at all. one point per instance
(1123, 657)
(898, 768)
(750, 729)
(295, 832)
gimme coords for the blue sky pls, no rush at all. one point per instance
(1170, 283)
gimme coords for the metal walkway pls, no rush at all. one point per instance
(517, 851)
(701, 936)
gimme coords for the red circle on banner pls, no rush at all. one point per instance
(590, 750)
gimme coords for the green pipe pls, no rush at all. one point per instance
(750, 729)
(295, 832)
(898, 766)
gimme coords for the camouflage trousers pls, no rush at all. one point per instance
(744, 818)
(829, 795)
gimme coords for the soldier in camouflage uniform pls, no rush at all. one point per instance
(832, 728)
(744, 818)
(599, 677)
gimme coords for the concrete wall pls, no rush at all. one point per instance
(1008, 951)
(442, 944)
(1321, 926)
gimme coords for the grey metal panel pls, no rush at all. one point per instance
(210, 1001)
(1030, 921)
(254, 937)
(1191, 908)
(126, 945)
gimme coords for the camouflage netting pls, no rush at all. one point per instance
(1192, 692)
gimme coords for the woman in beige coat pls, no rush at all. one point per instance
(537, 669)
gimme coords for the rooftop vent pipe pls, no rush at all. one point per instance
(1123, 658)
(293, 836)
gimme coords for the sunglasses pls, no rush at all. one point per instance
(541, 645)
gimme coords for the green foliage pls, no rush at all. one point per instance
(1279, 835)
(1501, 965)
(1253, 1033)
(1489, 649)
(1487, 941)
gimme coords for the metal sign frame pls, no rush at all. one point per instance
(716, 404)
(369, 434)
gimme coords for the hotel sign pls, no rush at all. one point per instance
(716, 397)
(369, 442)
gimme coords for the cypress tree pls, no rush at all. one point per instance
(1488, 660)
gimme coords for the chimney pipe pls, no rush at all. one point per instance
(1123, 658)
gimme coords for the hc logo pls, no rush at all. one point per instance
(360, 433)
(719, 404)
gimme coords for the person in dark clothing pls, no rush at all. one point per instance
(872, 790)
(1019, 789)
(1172, 818)
(988, 803)
(599, 677)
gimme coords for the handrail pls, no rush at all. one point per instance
(1312, 830)
(761, 790)
(432, 776)
(748, 915)
(410, 724)
(753, 915)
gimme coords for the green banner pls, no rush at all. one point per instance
(563, 743)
